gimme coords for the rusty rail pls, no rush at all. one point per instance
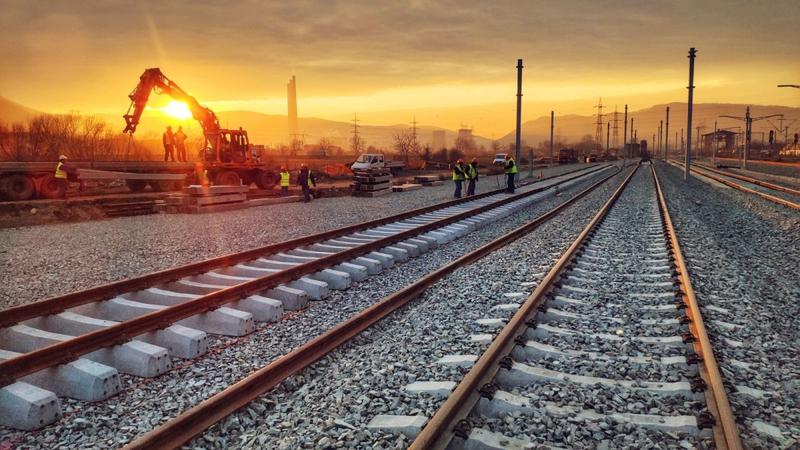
(440, 430)
(66, 351)
(55, 305)
(737, 186)
(181, 429)
(756, 181)
(726, 433)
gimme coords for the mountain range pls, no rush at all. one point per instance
(272, 130)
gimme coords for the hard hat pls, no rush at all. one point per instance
(475, 160)
(62, 157)
(460, 161)
(283, 167)
(304, 166)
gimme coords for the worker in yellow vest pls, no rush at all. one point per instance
(511, 171)
(459, 174)
(284, 181)
(472, 177)
(61, 175)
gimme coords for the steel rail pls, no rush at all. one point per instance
(726, 433)
(441, 428)
(756, 181)
(67, 351)
(58, 304)
(737, 186)
(181, 429)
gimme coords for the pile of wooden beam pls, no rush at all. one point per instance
(406, 187)
(371, 182)
(199, 199)
(428, 180)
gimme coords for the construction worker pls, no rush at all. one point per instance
(303, 178)
(284, 182)
(168, 139)
(201, 173)
(180, 144)
(511, 171)
(61, 175)
(472, 177)
(459, 174)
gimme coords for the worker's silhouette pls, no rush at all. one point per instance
(168, 139)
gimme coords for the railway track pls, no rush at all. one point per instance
(609, 351)
(77, 344)
(772, 192)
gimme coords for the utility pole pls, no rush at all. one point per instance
(356, 137)
(413, 136)
(692, 55)
(552, 124)
(660, 136)
(615, 139)
(608, 136)
(653, 142)
(697, 146)
(625, 133)
(633, 137)
(714, 148)
(519, 110)
(666, 137)
(598, 132)
(748, 129)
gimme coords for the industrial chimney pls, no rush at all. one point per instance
(291, 91)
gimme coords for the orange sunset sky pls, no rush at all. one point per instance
(446, 63)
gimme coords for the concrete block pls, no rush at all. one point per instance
(385, 259)
(292, 299)
(292, 258)
(439, 237)
(158, 296)
(81, 379)
(439, 389)
(263, 309)
(269, 263)
(491, 323)
(191, 287)
(412, 250)
(135, 357)
(69, 323)
(310, 253)
(353, 239)
(457, 360)
(27, 407)
(424, 245)
(342, 243)
(373, 266)
(410, 426)
(315, 289)
(356, 272)
(180, 341)
(327, 248)
(483, 439)
(224, 320)
(399, 254)
(483, 338)
(335, 279)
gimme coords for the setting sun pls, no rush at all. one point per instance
(177, 109)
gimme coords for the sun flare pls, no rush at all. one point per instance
(177, 109)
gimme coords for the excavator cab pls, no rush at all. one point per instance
(227, 146)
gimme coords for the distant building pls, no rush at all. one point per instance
(438, 140)
(726, 141)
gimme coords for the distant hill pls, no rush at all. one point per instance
(12, 112)
(646, 121)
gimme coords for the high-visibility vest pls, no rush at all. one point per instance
(472, 172)
(511, 166)
(62, 174)
(284, 179)
(458, 173)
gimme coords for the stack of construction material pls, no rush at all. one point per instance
(406, 187)
(134, 207)
(371, 182)
(199, 199)
(428, 180)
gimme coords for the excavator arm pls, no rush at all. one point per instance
(153, 80)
